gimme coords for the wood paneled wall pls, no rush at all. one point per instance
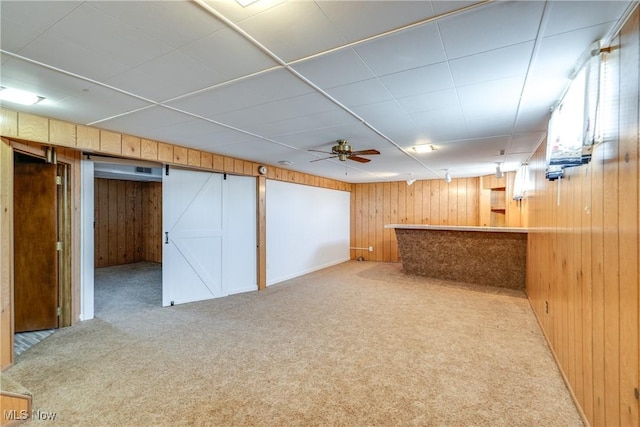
(424, 202)
(28, 127)
(128, 222)
(6, 254)
(583, 261)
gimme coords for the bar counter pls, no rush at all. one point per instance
(489, 256)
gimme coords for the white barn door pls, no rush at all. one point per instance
(199, 231)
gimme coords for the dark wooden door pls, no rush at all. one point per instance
(35, 236)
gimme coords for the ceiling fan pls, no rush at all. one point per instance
(343, 152)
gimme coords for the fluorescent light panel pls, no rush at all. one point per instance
(19, 96)
(424, 148)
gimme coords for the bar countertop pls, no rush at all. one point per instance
(458, 228)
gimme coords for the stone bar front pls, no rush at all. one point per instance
(491, 256)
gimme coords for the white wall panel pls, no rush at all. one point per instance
(307, 229)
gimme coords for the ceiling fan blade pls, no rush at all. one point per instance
(365, 152)
(324, 158)
(359, 159)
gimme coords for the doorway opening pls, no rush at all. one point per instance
(127, 237)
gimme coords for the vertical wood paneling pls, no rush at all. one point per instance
(128, 222)
(6, 253)
(611, 242)
(629, 218)
(377, 204)
(584, 248)
(151, 223)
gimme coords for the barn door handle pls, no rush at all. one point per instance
(166, 237)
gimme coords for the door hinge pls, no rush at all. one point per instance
(59, 311)
(166, 237)
(58, 180)
(58, 246)
(166, 170)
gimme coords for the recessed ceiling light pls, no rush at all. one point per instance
(19, 96)
(424, 148)
(285, 162)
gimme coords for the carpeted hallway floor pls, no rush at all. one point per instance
(355, 344)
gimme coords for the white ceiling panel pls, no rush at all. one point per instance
(381, 16)
(16, 35)
(494, 26)
(156, 79)
(285, 109)
(335, 69)
(95, 103)
(364, 92)
(293, 30)
(413, 48)
(229, 54)
(52, 85)
(311, 123)
(471, 82)
(176, 22)
(72, 58)
(261, 89)
(419, 80)
(573, 15)
(37, 14)
(431, 101)
(92, 29)
(510, 61)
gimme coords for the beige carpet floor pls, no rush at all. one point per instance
(358, 344)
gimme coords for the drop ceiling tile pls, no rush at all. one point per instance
(71, 58)
(381, 16)
(360, 93)
(15, 35)
(445, 6)
(490, 27)
(572, 15)
(138, 122)
(166, 77)
(96, 103)
(36, 14)
(432, 101)
(94, 30)
(444, 124)
(293, 30)
(234, 12)
(261, 89)
(510, 61)
(52, 85)
(176, 22)
(494, 99)
(387, 116)
(526, 142)
(229, 54)
(285, 109)
(334, 69)
(406, 50)
(557, 56)
(430, 78)
(296, 126)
